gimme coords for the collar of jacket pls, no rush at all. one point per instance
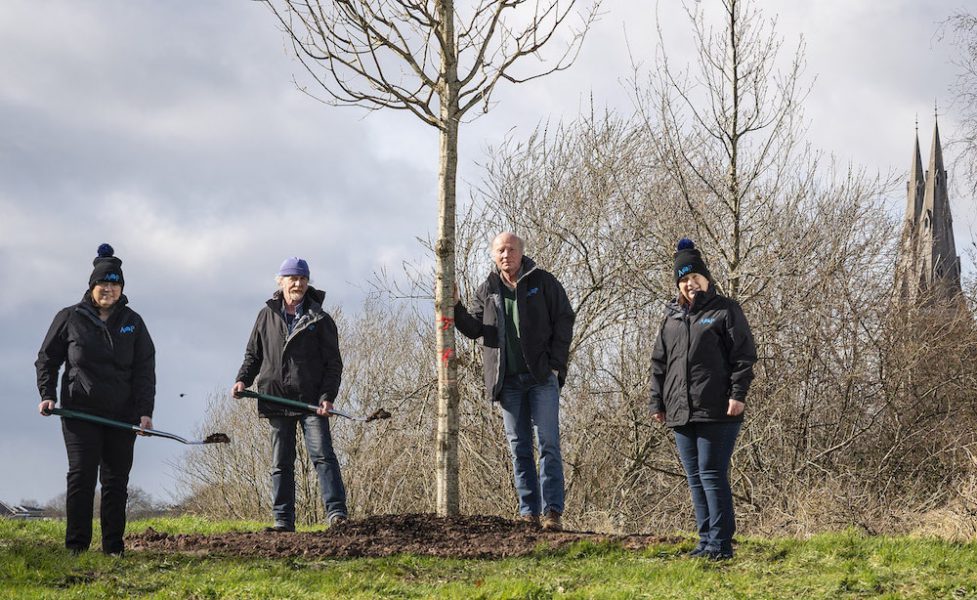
(528, 266)
(701, 300)
(87, 306)
(311, 303)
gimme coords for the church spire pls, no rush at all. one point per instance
(936, 150)
(928, 255)
(938, 247)
(914, 187)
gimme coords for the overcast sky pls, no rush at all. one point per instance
(173, 131)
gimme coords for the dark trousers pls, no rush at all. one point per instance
(705, 450)
(103, 453)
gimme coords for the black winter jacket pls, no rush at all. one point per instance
(304, 365)
(702, 358)
(110, 367)
(545, 325)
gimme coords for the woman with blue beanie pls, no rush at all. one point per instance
(702, 367)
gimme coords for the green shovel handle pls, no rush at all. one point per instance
(81, 416)
(279, 400)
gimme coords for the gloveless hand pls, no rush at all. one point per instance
(736, 408)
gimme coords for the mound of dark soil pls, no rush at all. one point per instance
(384, 535)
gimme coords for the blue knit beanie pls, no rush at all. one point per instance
(107, 267)
(688, 260)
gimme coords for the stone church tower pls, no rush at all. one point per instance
(929, 267)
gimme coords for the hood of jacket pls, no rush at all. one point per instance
(528, 265)
(313, 299)
(702, 300)
(88, 305)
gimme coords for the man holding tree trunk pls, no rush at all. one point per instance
(525, 320)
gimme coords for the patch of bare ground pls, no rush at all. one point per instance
(386, 535)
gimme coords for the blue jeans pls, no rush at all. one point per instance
(705, 450)
(528, 405)
(318, 441)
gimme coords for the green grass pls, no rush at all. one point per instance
(33, 564)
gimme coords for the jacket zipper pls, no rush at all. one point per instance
(688, 351)
(290, 336)
(104, 328)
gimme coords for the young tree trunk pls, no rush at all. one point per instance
(446, 459)
(734, 146)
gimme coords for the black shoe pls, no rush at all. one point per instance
(280, 529)
(718, 555)
(697, 551)
(119, 554)
(337, 519)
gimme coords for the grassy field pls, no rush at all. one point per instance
(33, 564)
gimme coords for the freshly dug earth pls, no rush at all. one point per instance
(385, 535)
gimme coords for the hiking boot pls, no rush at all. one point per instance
(718, 555)
(337, 519)
(551, 521)
(280, 528)
(532, 520)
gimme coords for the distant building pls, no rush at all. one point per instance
(929, 267)
(8, 511)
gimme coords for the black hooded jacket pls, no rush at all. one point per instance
(545, 325)
(304, 365)
(702, 358)
(110, 366)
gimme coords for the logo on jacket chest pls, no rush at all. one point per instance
(707, 320)
(127, 329)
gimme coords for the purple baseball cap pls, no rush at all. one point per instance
(294, 266)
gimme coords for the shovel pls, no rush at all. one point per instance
(378, 414)
(214, 438)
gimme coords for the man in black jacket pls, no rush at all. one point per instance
(525, 320)
(294, 353)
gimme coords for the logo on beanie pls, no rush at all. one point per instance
(110, 277)
(128, 329)
(683, 271)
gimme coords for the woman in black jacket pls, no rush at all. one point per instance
(702, 367)
(110, 371)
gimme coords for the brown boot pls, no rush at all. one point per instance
(552, 521)
(532, 520)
